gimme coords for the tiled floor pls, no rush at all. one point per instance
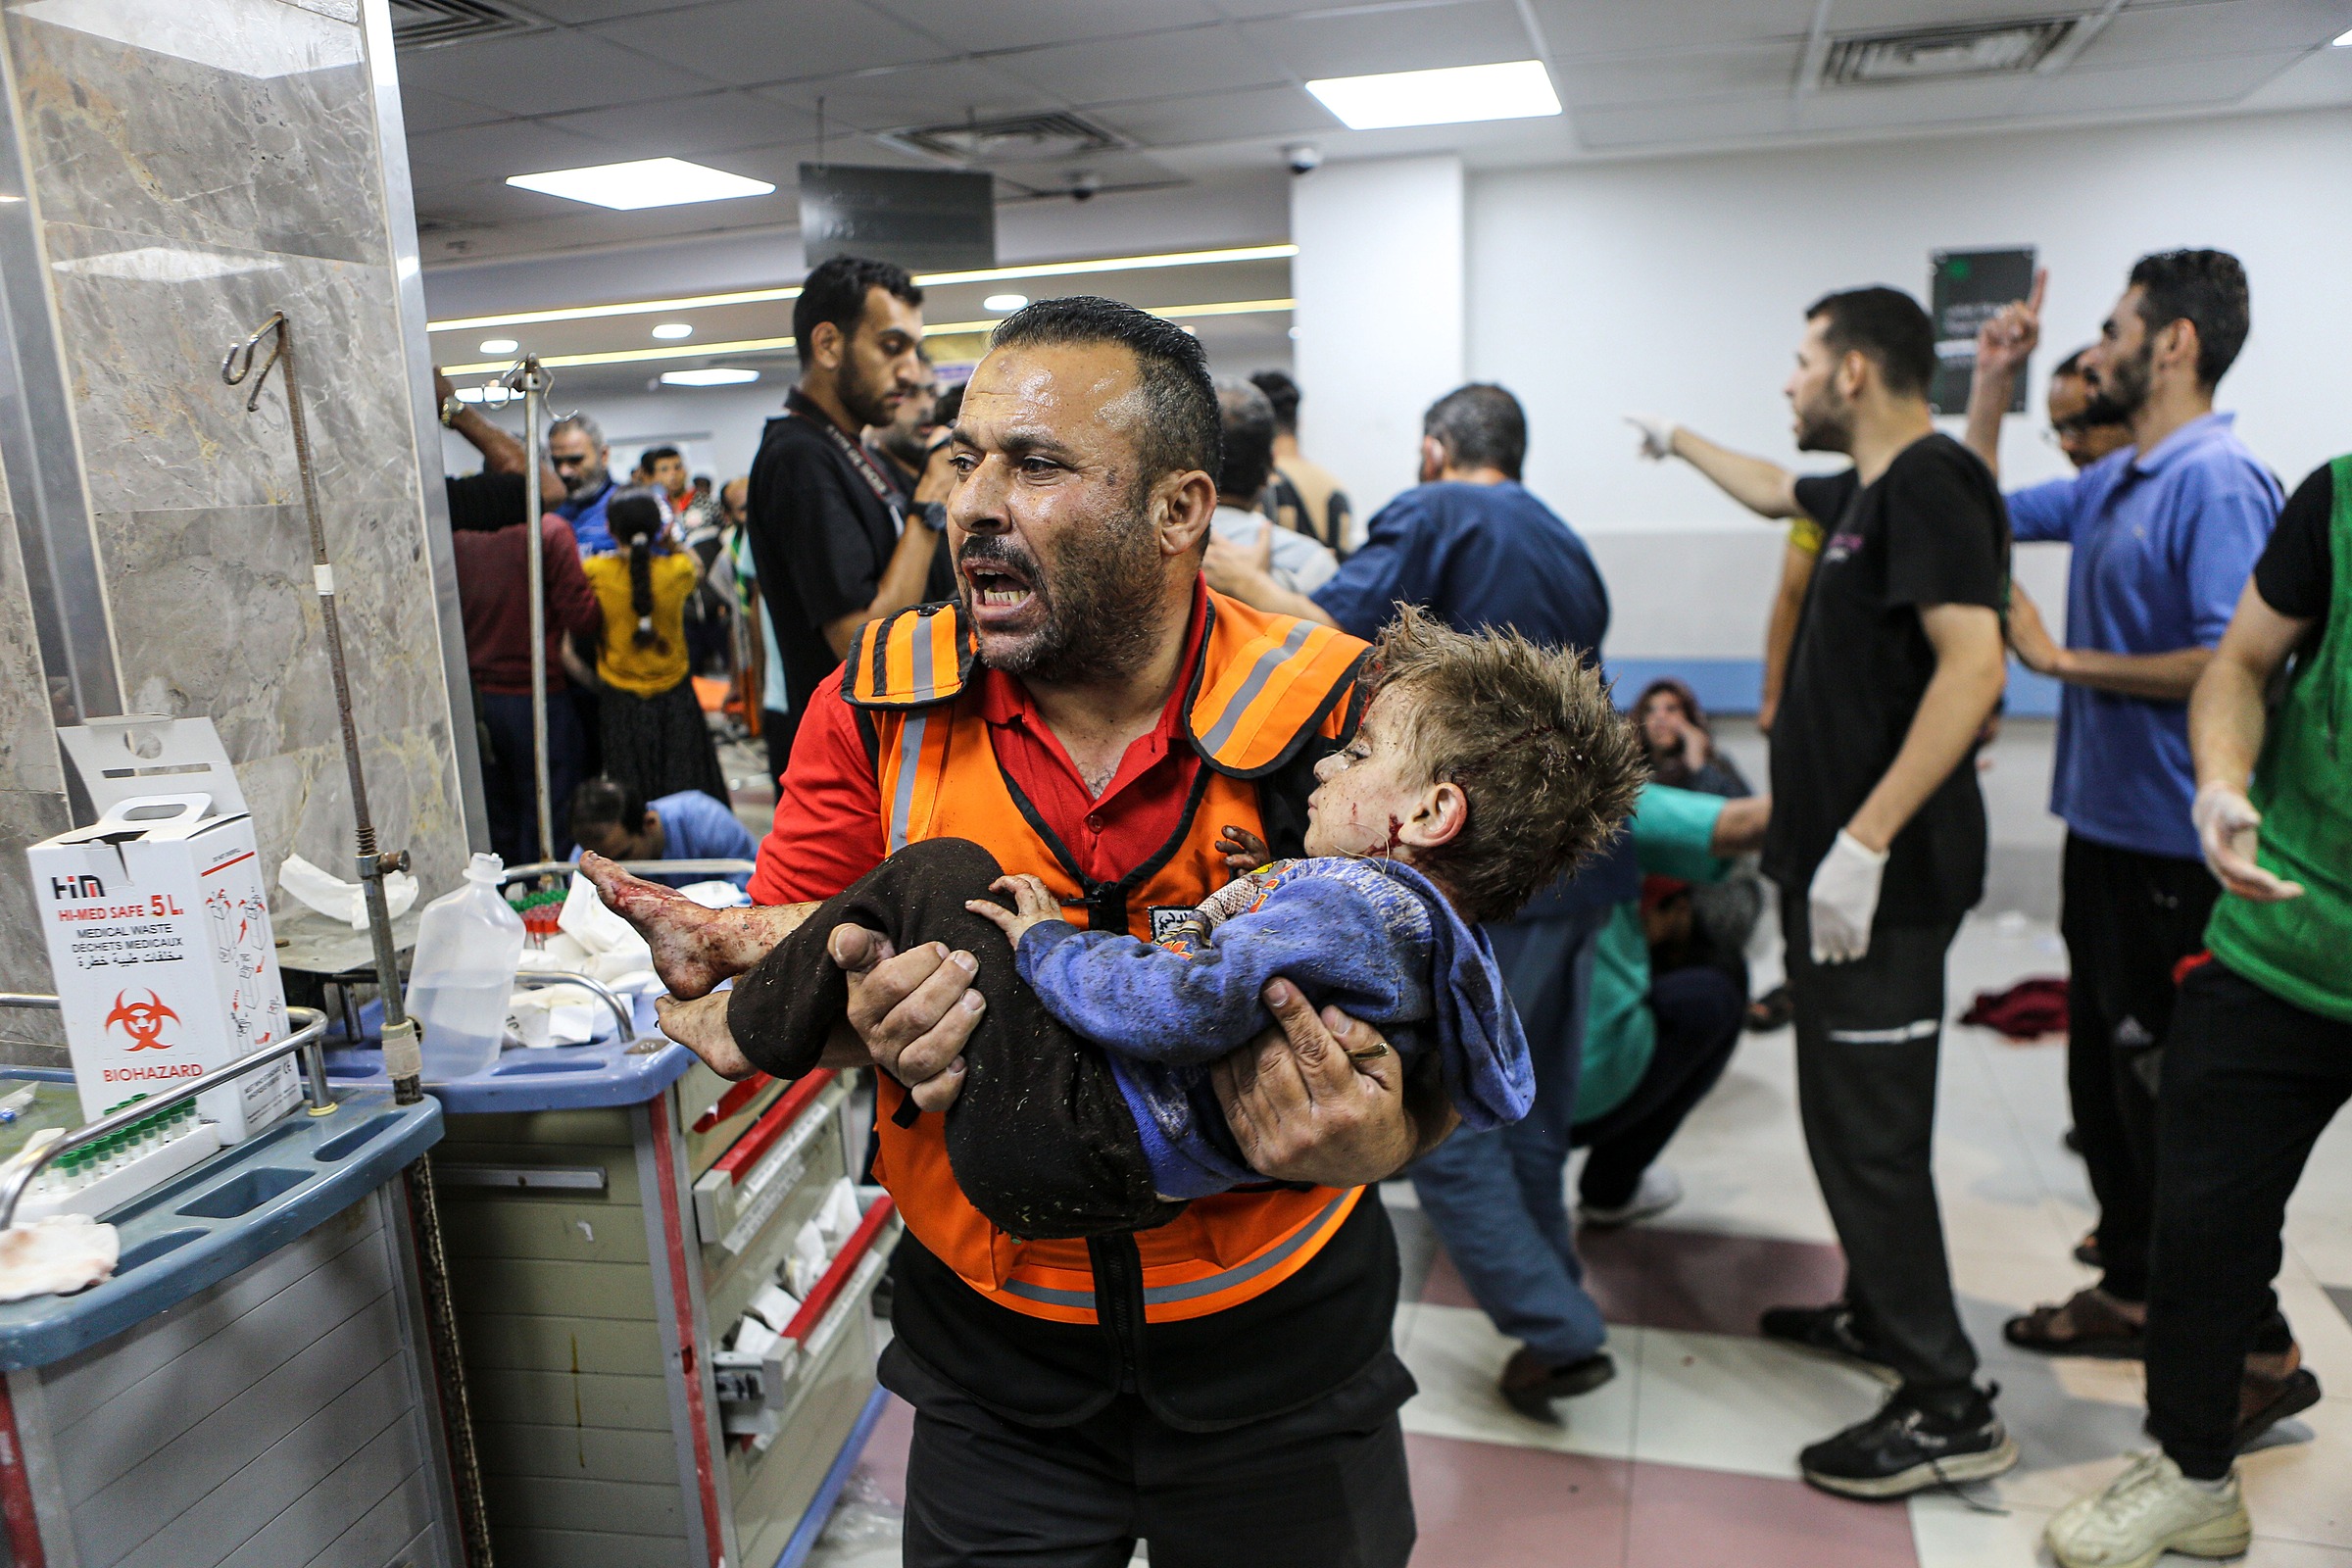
(1688, 1456)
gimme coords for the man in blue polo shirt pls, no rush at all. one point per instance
(576, 447)
(1473, 546)
(2165, 533)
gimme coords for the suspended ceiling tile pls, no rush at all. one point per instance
(1199, 60)
(1220, 117)
(682, 127)
(543, 74)
(512, 147)
(1748, 70)
(2185, 32)
(421, 110)
(1631, 126)
(1910, 104)
(570, 12)
(1476, 34)
(748, 41)
(1016, 23)
(2322, 79)
(1575, 27)
(914, 95)
(1880, 16)
(2140, 89)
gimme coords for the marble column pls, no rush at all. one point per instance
(192, 167)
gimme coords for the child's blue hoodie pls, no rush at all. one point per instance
(1372, 938)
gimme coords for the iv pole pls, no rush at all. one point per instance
(531, 378)
(404, 1061)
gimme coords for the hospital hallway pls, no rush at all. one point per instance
(1689, 1456)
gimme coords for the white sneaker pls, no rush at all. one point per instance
(2151, 1508)
(1658, 1190)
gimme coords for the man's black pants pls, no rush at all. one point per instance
(510, 777)
(1699, 1011)
(1868, 1033)
(2250, 1082)
(2129, 920)
(1325, 1485)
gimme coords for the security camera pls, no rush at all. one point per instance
(1084, 185)
(1305, 157)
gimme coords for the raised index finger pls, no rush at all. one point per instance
(2041, 283)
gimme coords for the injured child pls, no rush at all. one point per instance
(1483, 769)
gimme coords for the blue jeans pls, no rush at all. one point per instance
(1499, 1199)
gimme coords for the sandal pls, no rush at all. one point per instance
(2086, 1323)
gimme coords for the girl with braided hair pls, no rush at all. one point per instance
(651, 722)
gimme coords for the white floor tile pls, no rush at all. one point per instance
(1728, 1402)
(1456, 1355)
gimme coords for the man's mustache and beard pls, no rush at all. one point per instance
(871, 403)
(1826, 424)
(2119, 390)
(1099, 597)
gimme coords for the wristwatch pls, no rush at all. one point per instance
(934, 514)
(451, 407)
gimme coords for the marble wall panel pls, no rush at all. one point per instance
(27, 816)
(237, 122)
(300, 801)
(28, 758)
(144, 342)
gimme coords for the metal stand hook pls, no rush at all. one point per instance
(237, 364)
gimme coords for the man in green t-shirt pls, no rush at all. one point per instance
(2257, 1060)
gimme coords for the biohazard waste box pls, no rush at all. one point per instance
(157, 924)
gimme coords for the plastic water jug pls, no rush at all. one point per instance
(468, 946)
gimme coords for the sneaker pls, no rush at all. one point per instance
(1906, 1449)
(1658, 1190)
(1830, 1330)
(1528, 1386)
(2152, 1508)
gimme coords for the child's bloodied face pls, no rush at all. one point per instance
(1373, 799)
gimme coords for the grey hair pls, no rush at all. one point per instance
(581, 423)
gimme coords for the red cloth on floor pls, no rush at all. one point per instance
(2026, 1010)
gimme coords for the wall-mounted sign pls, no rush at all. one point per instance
(925, 220)
(1966, 289)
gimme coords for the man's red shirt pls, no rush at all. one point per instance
(829, 824)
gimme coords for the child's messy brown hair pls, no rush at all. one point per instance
(1549, 767)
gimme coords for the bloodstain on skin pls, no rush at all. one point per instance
(1396, 838)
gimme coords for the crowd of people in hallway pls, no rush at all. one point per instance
(1095, 612)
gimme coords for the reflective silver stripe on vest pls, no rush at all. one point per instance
(1189, 1289)
(1919, 1029)
(925, 686)
(1260, 672)
(911, 757)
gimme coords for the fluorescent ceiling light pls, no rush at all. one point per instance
(2343, 40)
(499, 345)
(670, 332)
(1519, 90)
(164, 263)
(286, 41)
(717, 376)
(646, 182)
(472, 394)
(1004, 302)
(779, 345)
(762, 296)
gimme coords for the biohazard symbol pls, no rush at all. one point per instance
(143, 1021)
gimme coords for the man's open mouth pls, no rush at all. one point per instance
(996, 585)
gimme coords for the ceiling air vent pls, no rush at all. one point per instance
(431, 24)
(1016, 140)
(1939, 53)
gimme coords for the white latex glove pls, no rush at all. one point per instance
(1843, 898)
(1658, 436)
(2226, 822)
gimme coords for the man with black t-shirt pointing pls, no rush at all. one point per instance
(1877, 845)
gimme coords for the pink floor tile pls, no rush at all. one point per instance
(1681, 1516)
(1692, 1281)
(1505, 1507)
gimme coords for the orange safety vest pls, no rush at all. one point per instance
(1262, 689)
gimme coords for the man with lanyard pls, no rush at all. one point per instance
(1222, 1386)
(2164, 533)
(2259, 1057)
(1474, 546)
(833, 547)
(576, 449)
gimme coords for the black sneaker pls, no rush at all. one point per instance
(1830, 1330)
(1905, 1449)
